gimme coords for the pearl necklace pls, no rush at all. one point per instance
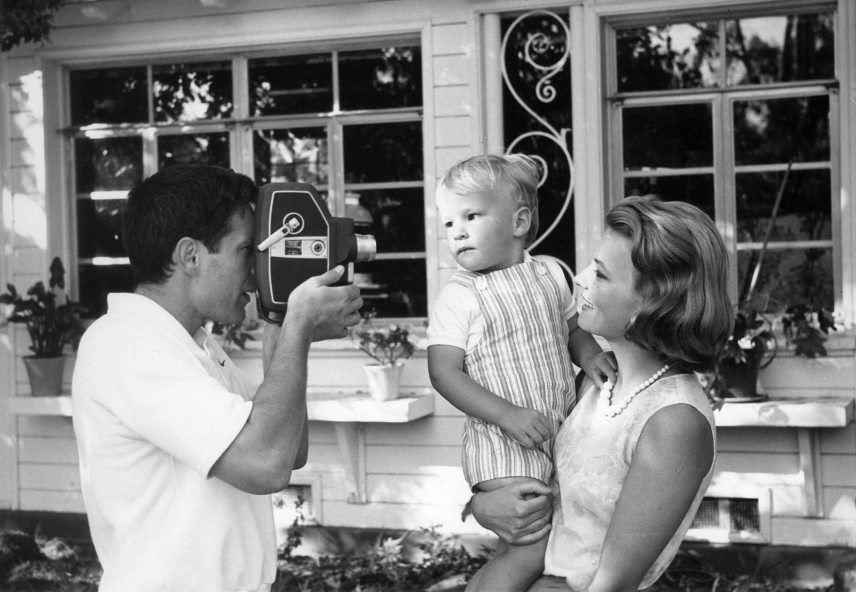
(606, 392)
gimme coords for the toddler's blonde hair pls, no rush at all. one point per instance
(515, 176)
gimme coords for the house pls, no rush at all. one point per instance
(724, 103)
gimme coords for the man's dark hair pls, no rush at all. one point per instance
(192, 200)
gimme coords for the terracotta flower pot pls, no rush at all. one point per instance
(384, 381)
(45, 375)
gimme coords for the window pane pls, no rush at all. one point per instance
(108, 164)
(784, 48)
(695, 189)
(194, 149)
(536, 119)
(96, 281)
(397, 218)
(667, 57)
(292, 84)
(793, 276)
(190, 92)
(110, 95)
(804, 213)
(380, 78)
(394, 288)
(673, 136)
(297, 155)
(781, 130)
(383, 152)
(99, 228)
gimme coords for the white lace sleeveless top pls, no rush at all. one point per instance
(592, 454)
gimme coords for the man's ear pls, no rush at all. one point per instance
(186, 255)
(522, 221)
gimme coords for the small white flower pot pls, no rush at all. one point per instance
(384, 381)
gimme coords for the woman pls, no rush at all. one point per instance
(632, 461)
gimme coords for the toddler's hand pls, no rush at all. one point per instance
(528, 427)
(601, 367)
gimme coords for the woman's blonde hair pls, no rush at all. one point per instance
(682, 266)
(515, 176)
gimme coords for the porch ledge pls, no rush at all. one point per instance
(803, 412)
(322, 405)
(348, 409)
(807, 415)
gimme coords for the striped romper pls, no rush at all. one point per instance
(523, 357)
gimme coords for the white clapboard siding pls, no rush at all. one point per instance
(413, 476)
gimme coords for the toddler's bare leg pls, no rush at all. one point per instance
(513, 568)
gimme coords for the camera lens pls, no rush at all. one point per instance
(366, 247)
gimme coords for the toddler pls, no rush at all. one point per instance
(502, 335)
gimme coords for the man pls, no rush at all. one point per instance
(176, 455)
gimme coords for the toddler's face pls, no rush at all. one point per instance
(480, 229)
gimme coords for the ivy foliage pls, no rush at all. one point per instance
(26, 21)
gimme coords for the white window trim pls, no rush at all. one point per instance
(55, 181)
(843, 257)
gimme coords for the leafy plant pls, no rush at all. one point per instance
(26, 21)
(751, 339)
(391, 563)
(236, 335)
(806, 328)
(387, 346)
(52, 320)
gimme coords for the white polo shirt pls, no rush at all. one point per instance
(153, 410)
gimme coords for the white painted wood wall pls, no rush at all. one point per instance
(413, 470)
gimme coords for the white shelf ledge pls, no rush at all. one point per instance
(358, 406)
(349, 411)
(804, 412)
(335, 406)
(24, 405)
(807, 415)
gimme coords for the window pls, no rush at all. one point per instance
(349, 122)
(527, 90)
(737, 115)
(536, 118)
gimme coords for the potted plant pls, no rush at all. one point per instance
(234, 336)
(753, 345)
(390, 347)
(52, 321)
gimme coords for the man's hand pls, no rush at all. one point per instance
(526, 426)
(600, 367)
(325, 310)
(519, 514)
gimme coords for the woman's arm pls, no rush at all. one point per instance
(519, 514)
(672, 457)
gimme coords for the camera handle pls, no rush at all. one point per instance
(275, 237)
(278, 235)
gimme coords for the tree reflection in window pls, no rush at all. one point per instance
(783, 48)
(778, 162)
(190, 92)
(665, 57)
(210, 149)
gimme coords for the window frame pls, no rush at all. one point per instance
(721, 99)
(240, 128)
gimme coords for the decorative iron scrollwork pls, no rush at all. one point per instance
(545, 53)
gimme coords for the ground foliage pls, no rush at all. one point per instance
(439, 564)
